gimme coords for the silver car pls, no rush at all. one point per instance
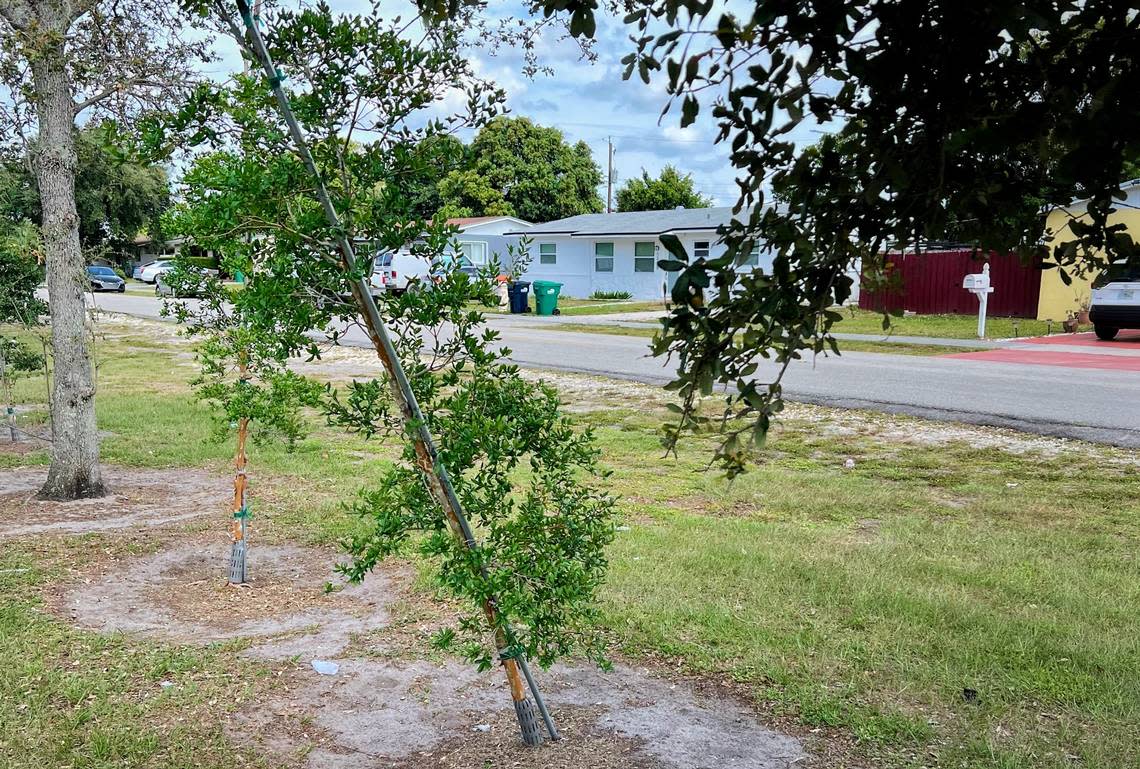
(105, 279)
(189, 283)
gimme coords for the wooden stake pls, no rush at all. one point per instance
(238, 547)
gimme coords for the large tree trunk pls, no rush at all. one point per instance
(74, 469)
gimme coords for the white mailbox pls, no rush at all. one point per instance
(978, 284)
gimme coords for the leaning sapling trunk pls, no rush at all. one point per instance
(493, 485)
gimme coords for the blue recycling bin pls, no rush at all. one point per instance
(519, 294)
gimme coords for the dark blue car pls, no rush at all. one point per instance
(105, 279)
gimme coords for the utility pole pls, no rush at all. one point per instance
(610, 175)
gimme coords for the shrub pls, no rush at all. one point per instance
(611, 295)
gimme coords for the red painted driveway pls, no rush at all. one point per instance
(1051, 358)
(1125, 340)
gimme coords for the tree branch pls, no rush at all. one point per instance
(96, 98)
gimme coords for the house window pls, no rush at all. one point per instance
(701, 249)
(473, 254)
(548, 253)
(643, 260)
(753, 258)
(603, 257)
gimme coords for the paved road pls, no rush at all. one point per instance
(1092, 404)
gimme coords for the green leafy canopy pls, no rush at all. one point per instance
(669, 190)
(369, 99)
(975, 117)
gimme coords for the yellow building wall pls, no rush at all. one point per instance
(1057, 299)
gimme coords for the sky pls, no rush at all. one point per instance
(589, 101)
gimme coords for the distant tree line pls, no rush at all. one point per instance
(116, 197)
(514, 167)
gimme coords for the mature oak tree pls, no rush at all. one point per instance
(525, 170)
(443, 153)
(115, 196)
(60, 59)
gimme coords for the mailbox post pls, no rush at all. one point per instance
(978, 284)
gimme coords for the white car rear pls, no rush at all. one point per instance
(1115, 302)
(396, 271)
(149, 272)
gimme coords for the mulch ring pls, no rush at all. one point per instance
(137, 498)
(293, 604)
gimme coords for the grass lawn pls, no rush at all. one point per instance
(605, 306)
(862, 600)
(845, 345)
(73, 698)
(856, 321)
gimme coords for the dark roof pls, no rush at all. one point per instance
(636, 223)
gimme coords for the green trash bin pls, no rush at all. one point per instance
(546, 297)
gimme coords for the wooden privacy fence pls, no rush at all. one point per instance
(931, 283)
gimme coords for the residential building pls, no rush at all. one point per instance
(482, 237)
(620, 251)
(1057, 299)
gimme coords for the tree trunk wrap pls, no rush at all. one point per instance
(74, 471)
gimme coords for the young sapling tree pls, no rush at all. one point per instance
(244, 378)
(494, 486)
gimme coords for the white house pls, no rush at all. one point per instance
(481, 237)
(619, 252)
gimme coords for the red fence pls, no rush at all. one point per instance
(931, 282)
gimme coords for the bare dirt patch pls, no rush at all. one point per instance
(139, 498)
(585, 393)
(894, 429)
(386, 706)
(181, 595)
(416, 714)
(26, 445)
(582, 393)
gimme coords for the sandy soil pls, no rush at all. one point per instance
(181, 595)
(381, 710)
(139, 498)
(416, 714)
